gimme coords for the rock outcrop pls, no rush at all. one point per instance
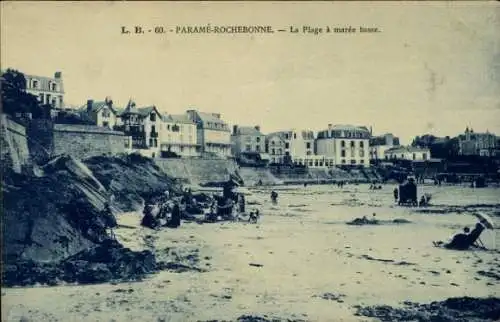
(55, 225)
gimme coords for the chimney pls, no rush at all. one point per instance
(235, 129)
(89, 105)
(109, 101)
(257, 127)
(58, 75)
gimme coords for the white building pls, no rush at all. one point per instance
(178, 134)
(380, 144)
(143, 125)
(247, 139)
(407, 153)
(103, 113)
(346, 144)
(275, 148)
(298, 143)
(213, 134)
(48, 90)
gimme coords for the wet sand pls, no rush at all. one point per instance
(301, 261)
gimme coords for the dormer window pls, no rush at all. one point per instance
(53, 86)
(34, 83)
(152, 117)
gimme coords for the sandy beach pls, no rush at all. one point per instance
(300, 262)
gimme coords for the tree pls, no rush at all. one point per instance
(15, 99)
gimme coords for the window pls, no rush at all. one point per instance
(361, 144)
(152, 117)
(105, 124)
(414, 156)
(34, 83)
(150, 142)
(272, 142)
(343, 161)
(424, 156)
(402, 156)
(257, 139)
(308, 145)
(320, 163)
(342, 153)
(353, 161)
(53, 86)
(342, 143)
(273, 152)
(362, 161)
(353, 144)
(315, 163)
(287, 145)
(294, 135)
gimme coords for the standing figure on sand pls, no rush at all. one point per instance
(274, 197)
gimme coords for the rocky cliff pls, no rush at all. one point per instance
(59, 215)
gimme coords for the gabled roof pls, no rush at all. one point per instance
(130, 108)
(177, 118)
(209, 117)
(248, 130)
(96, 107)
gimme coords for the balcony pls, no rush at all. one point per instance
(134, 130)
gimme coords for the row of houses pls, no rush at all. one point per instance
(196, 133)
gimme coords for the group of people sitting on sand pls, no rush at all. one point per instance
(167, 211)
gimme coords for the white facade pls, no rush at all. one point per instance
(299, 144)
(407, 153)
(178, 134)
(103, 113)
(48, 90)
(275, 148)
(380, 144)
(213, 134)
(316, 161)
(346, 144)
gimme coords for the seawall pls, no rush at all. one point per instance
(83, 141)
(198, 171)
(14, 146)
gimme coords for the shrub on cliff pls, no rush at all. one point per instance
(15, 100)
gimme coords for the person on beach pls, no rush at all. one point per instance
(110, 219)
(274, 197)
(241, 203)
(396, 194)
(463, 241)
(175, 219)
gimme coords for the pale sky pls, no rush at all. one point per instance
(435, 67)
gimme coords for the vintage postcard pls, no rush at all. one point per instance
(250, 161)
